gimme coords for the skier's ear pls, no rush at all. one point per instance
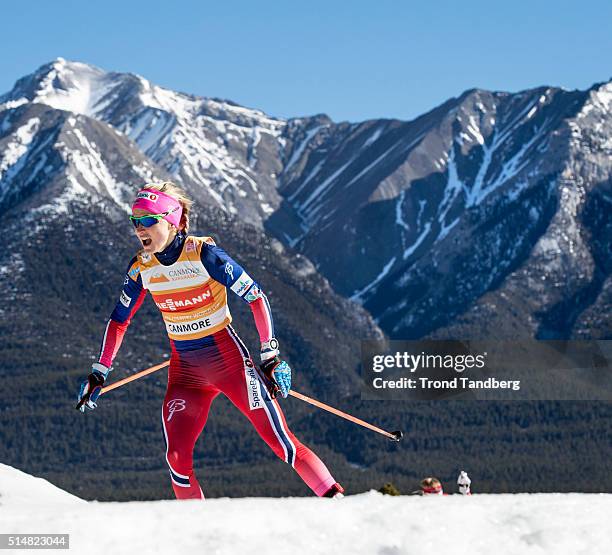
(184, 224)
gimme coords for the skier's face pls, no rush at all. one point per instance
(157, 237)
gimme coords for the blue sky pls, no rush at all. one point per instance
(353, 60)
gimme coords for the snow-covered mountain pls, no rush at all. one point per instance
(225, 154)
(49, 158)
(492, 210)
(444, 209)
(368, 523)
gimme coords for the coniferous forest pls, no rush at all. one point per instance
(54, 310)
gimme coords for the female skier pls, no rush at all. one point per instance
(188, 278)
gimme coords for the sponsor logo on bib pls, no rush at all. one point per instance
(184, 300)
(184, 273)
(159, 278)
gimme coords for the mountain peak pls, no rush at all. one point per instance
(62, 84)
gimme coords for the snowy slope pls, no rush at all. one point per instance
(360, 524)
(18, 489)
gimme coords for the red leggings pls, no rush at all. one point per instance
(199, 371)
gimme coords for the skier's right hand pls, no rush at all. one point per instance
(91, 387)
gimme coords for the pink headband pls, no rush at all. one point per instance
(156, 202)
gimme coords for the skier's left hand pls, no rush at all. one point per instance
(277, 376)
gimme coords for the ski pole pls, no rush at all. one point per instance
(395, 436)
(133, 377)
(123, 381)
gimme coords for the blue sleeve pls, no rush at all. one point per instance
(130, 295)
(227, 271)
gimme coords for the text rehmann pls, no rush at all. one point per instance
(413, 362)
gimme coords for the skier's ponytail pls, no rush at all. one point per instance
(173, 190)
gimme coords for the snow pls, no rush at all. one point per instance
(422, 204)
(446, 229)
(15, 153)
(358, 295)
(14, 266)
(85, 87)
(74, 192)
(9, 105)
(512, 167)
(18, 146)
(599, 100)
(148, 129)
(374, 137)
(255, 140)
(473, 129)
(320, 189)
(174, 130)
(509, 128)
(381, 157)
(18, 489)
(604, 96)
(372, 164)
(454, 187)
(399, 217)
(361, 524)
(297, 153)
(266, 208)
(310, 176)
(410, 250)
(89, 164)
(548, 244)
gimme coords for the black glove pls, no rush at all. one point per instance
(276, 376)
(91, 387)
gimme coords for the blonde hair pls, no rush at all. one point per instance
(173, 190)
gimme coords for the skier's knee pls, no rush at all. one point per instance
(179, 462)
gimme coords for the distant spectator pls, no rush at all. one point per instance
(464, 483)
(389, 489)
(431, 486)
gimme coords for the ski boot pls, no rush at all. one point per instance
(335, 492)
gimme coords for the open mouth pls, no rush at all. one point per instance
(146, 242)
